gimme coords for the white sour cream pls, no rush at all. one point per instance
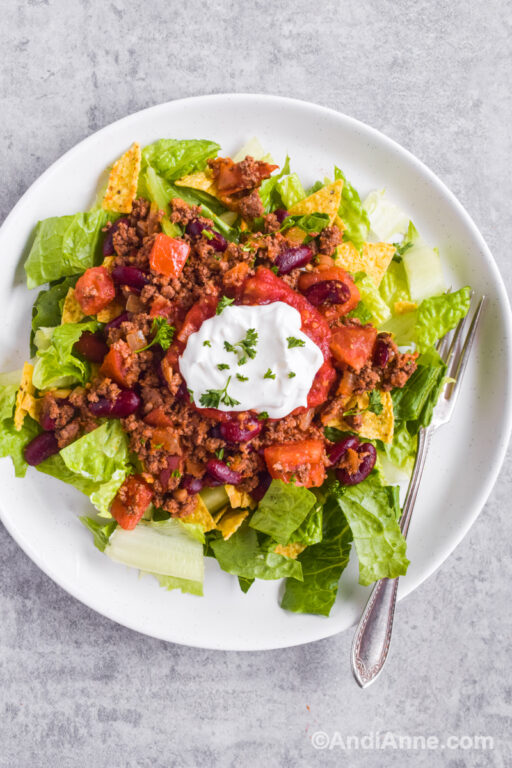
(275, 324)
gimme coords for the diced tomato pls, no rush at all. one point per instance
(235, 278)
(321, 385)
(229, 177)
(168, 255)
(94, 290)
(353, 345)
(266, 287)
(114, 367)
(325, 272)
(286, 460)
(165, 439)
(158, 418)
(161, 307)
(131, 501)
(197, 314)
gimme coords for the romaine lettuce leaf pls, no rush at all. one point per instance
(310, 530)
(402, 450)
(439, 314)
(174, 158)
(282, 509)
(187, 586)
(415, 402)
(96, 464)
(242, 555)
(47, 309)
(422, 266)
(386, 218)
(352, 213)
(393, 286)
(56, 365)
(253, 148)
(100, 530)
(268, 190)
(12, 441)
(372, 511)
(372, 299)
(322, 565)
(245, 584)
(63, 246)
(290, 190)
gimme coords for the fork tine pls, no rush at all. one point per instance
(457, 366)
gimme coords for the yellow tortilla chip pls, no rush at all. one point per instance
(108, 263)
(374, 426)
(72, 312)
(403, 307)
(200, 180)
(326, 200)
(201, 516)
(122, 182)
(111, 311)
(376, 258)
(239, 498)
(231, 522)
(26, 402)
(348, 257)
(291, 550)
(339, 223)
(296, 235)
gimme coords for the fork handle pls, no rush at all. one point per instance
(373, 636)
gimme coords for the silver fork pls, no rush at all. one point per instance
(373, 635)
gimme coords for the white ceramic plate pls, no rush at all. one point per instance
(41, 513)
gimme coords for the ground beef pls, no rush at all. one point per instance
(250, 206)
(133, 229)
(182, 213)
(245, 175)
(271, 223)
(329, 240)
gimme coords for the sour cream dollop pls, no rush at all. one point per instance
(275, 381)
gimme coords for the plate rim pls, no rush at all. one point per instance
(491, 476)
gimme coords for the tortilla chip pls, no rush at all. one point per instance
(348, 258)
(375, 426)
(291, 550)
(122, 182)
(110, 312)
(296, 235)
(108, 263)
(201, 516)
(239, 498)
(339, 223)
(217, 516)
(72, 312)
(231, 522)
(374, 259)
(326, 200)
(200, 180)
(60, 393)
(403, 307)
(26, 402)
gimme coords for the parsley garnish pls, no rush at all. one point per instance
(247, 346)
(269, 374)
(291, 375)
(241, 378)
(213, 397)
(223, 303)
(220, 453)
(191, 394)
(374, 405)
(275, 270)
(164, 334)
(263, 415)
(293, 342)
(400, 249)
(176, 473)
(207, 343)
(223, 367)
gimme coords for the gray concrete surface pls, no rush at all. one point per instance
(77, 690)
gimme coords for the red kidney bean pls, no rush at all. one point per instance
(292, 258)
(182, 393)
(195, 229)
(124, 405)
(130, 276)
(238, 432)
(281, 214)
(40, 448)
(218, 243)
(116, 322)
(327, 291)
(336, 452)
(108, 242)
(262, 487)
(218, 470)
(368, 458)
(92, 346)
(173, 463)
(47, 423)
(191, 484)
(381, 353)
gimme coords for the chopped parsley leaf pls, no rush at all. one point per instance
(213, 397)
(220, 453)
(176, 473)
(400, 249)
(242, 378)
(207, 343)
(269, 374)
(291, 375)
(293, 342)
(247, 346)
(191, 394)
(263, 415)
(163, 334)
(223, 303)
(223, 367)
(275, 269)
(375, 403)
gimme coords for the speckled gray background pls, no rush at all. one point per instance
(77, 690)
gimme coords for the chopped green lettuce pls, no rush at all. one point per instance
(243, 555)
(423, 267)
(174, 158)
(290, 189)
(322, 565)
(352, 213)
(12, 441)
(57, 365)
(269, 192)
(100, 530)
(96, 464)
(282, 510)
(63, 246)
(372, 299)
(386, 219)
(393, 286)
(439, 314)
(245, 584)
(310, 530)
(415, 402)
(47, 309)
(372, 511)
(402, 449)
